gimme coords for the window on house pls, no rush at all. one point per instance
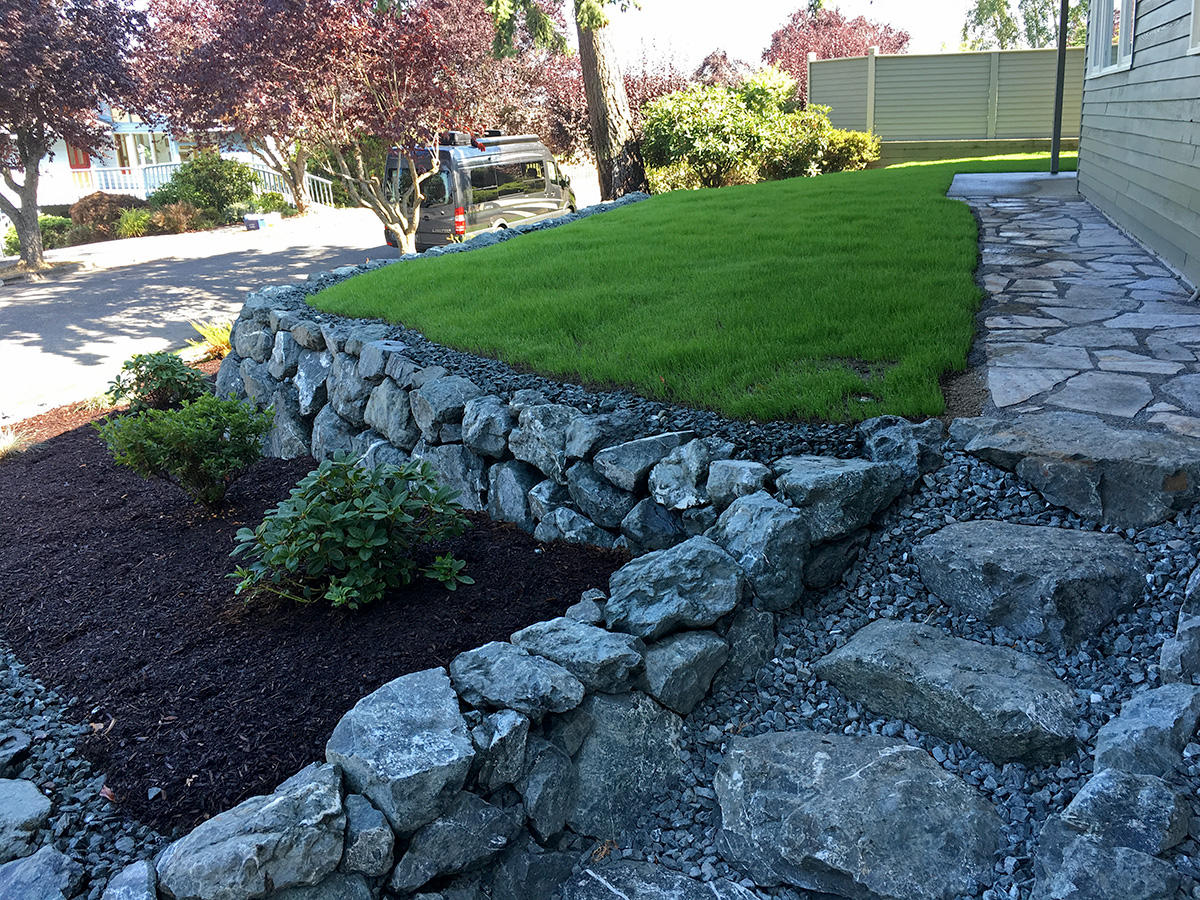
(1111, 30)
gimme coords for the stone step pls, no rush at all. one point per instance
(1005, 704)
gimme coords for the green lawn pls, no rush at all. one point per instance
(834, 298)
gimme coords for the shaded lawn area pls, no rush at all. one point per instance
(834, 298)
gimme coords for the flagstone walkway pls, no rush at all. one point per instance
(1079, 316)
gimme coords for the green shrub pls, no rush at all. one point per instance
(83, 234)
(101, 211)
(233, 215)
(203, 446)
(796, 145)
(209, 182)
(12, 242)
(708, 129)
(349, 533)
(273, 201)
(134, 223)
(850, 150)
(157, 381)
(54, 234)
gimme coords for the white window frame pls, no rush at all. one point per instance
(1194, 46)
(1100, 48)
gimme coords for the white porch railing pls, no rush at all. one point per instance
(141, 181)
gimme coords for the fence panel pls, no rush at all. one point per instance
(993, 95)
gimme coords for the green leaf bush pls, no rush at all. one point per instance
(133, 223)
(208, 182)
(203, 446)
(54, 234)
(156, 381)
(349, 533)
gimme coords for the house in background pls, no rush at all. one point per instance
(139, 157)
(1139, 146)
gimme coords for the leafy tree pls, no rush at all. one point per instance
(63, 60)
(611, 121)
(829, 35)
(718, 68)
(241, 72)
(992, 24)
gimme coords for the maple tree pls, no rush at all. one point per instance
(63, 61)
(830, 35)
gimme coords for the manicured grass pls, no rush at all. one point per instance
(833, 298)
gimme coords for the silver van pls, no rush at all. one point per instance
(483, 184)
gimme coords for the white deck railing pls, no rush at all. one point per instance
(141, 181)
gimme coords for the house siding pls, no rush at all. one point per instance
(1139, 148)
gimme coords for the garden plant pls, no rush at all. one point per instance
(349, 533)
(156, 381)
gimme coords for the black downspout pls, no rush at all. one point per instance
(1056, 137)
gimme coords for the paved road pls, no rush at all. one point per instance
(64, 339)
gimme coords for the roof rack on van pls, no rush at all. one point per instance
(454, 139)
(512, 139)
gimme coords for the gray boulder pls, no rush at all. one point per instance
(825, 564)
(589, 610)
(468, 835)
(729, 479)
(290, 436)
(549, 788)
(291, 837)
(628, 465)
(858, 817)
(229, 378)
(547, 496)
(601, 660)
(629, 758)
(751, 639)
(440, 402)
(14, 751)
(500, 743)
(138, 881)
(527, 872)
(358, 336)
(487, 422)
(680, 668)
(837, 496)
(678, 480)
(1130, 478)
(252, 340)
(562, 524)
(690, 585)
(540, 438)
(770, 542)
(257, 383)
(649, 526)
(46, 875)
(284, 356)
(331, 434)
(23, 810)
(406, 747)
(1093, 870)
(501, 676)
(311, 380)
(388, 411)
(1005, 704)
(1050, 584)
(509, 484)
(645, 881)
(370, 841)
(1141, 812)
(457, 468)
(596, 498)
(374, 357)
(1149, 735)
(914, 448)
(308, 335)
(348, 391)
(335, 887)
(588, 434)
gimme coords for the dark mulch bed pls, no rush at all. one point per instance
(112, 589)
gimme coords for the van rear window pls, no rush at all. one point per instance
(436, 188)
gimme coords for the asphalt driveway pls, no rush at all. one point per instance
(63, 339)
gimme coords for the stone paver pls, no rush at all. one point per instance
(1079, 316)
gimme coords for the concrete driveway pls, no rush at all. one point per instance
(63, 339)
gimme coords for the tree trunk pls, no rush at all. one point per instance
(618, 153)
(25, 216)
(296, 174)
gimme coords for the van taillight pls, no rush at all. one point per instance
(460, 221)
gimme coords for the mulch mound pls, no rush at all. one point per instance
(113, 591)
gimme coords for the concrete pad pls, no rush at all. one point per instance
(1105, 393)
(1062, 186)
(1011, 386)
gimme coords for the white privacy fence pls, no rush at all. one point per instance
(141, 181)
(993, 95)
